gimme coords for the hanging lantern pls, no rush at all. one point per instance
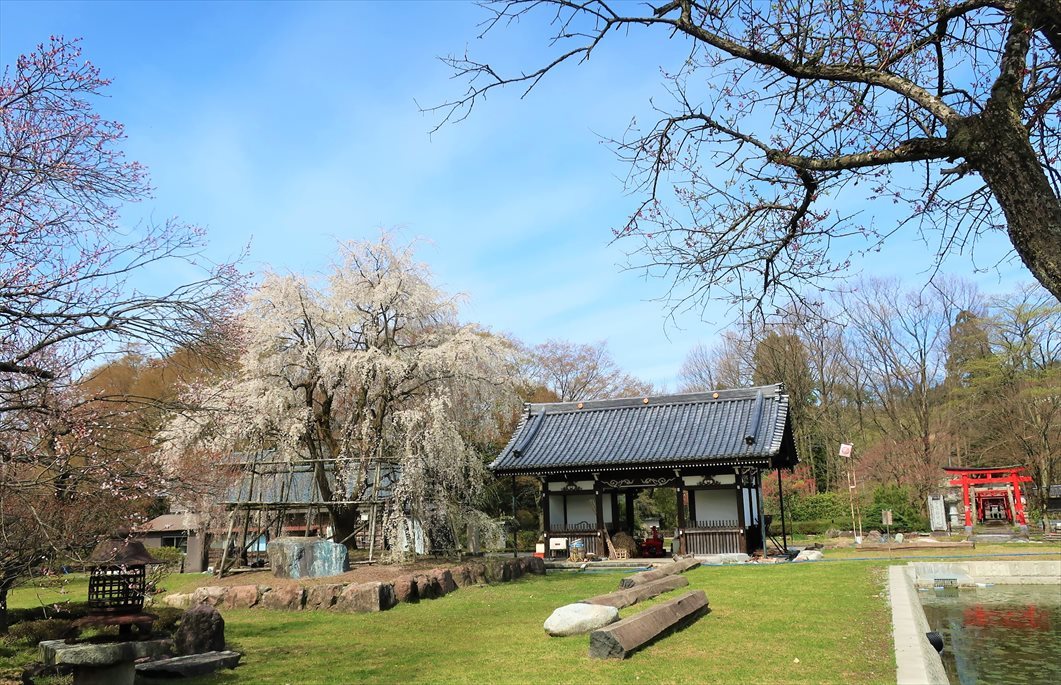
(118, 580)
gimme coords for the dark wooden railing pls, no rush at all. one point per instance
(714, 536)
(586, 532)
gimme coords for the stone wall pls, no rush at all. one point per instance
(361, 597)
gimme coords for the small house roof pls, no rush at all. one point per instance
(170, 522)
(745, 427)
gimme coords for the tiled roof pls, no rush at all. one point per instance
(738, 427)
(274, 483)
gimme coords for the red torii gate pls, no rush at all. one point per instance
(991, 489)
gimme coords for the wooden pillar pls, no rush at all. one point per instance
(680, 494)
(598, 506)
(1022, 518)
(968, 505)
(614, 496)
(630, 512)
(515, 523)
(761, 510)
(544, 499)
(741, 523)
(781, 498)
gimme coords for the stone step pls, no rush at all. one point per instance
(624, 598)
(619, 640)
(187, 666)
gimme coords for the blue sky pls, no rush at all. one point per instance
(288, 126)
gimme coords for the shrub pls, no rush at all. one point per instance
(172, 562)
(171, 557)
(32, 632)
(906, 514)
(526, 539)
(168, 617)
(819, 507)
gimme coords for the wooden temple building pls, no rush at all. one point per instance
(713, 449)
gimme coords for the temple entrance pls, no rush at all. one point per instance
(991, 495)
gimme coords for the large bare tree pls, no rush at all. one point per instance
(947, 106)
(74, 292)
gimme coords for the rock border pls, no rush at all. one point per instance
(361, 597)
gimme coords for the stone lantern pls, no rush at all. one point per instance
(118, 581)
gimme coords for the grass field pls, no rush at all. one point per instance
(832, 617)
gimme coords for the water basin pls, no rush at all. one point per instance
(998, 634)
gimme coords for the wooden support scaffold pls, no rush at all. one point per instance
(271, 490)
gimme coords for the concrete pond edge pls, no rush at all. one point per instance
(917, 662)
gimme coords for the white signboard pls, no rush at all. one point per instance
(845, 449)
(557, 543)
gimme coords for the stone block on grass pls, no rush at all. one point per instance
(675, 567)
(178, 600)
(366, 598)
(619, 640)
(576, 619)
(188, 666)
(284, 598)
(243, 596)
(624, 598)
(445, 580)
(211, 595)
(536, 566)
(462, 576)
(202, 629)
(323, 596)
(405, 589)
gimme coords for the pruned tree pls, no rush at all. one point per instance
(949, 107)
(574, 371)
(370, 364)
(68, 302)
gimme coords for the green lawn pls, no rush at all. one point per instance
(833, 617)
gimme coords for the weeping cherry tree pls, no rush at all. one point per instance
(368, 363)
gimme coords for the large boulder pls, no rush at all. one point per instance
(292, 557)
(445, 580)
(576, 619)
(323, 596)
(536, 566)
(290, 598)
(428, 586)
(477, 572)
(462, 576)
(496, 570)
(366, 597)
(201, 630)
(178, 600)
(213, 595)
(243, 596)
(809, 555)
(405, 589)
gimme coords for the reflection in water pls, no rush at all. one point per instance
(1003, 634)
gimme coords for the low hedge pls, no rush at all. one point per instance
(814, 527)
(33, 632)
